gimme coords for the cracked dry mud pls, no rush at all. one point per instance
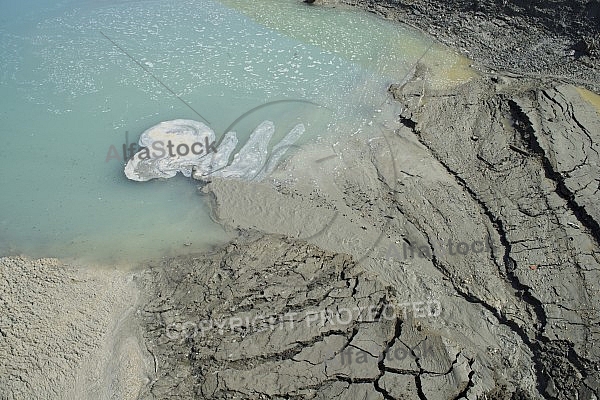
(320, 306)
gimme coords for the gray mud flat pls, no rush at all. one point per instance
(527, 155)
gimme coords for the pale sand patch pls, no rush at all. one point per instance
(67, 331)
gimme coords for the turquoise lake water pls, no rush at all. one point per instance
(68, 94)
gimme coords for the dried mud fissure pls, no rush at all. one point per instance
(549, 355)
(524, 127)
(521, 290)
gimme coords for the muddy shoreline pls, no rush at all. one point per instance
(550, 40)
(320, 297)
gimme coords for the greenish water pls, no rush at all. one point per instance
(68, 94)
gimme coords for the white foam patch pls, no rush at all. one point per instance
(251, 163)
(252, 157)
(170, 147)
